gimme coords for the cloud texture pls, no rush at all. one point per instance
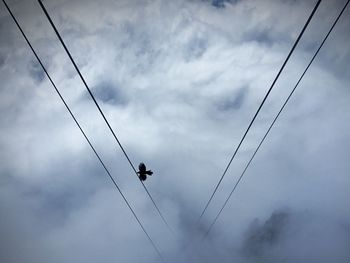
(179, 82)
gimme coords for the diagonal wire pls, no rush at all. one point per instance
(82, 131)
(101, 112)
(262, 103)
(275, 119)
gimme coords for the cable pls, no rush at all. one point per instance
(275, 119)
(262, 103)
(100, 110)
(82, 131)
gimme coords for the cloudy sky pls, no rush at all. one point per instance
(179, 82)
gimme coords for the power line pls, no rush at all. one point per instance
(275, 119)
(262, 103)
(82, 131)
(100, 110)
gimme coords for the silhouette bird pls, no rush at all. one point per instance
(142, 173)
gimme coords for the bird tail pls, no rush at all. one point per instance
(149, 172)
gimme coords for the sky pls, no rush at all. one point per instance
(179, 82)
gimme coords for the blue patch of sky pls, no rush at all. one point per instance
(36, 72)
(109, 93)
(141, 45)
(337, 64)
(195, 48)
(2, 60)
(290, 1)
(137, 39)
(309, 46)
(262, 37)
(128, 29)
(221, 3)
(234, 102)
(146, 52)
(266, 36)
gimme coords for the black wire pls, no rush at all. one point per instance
(262, 103)
(100, 110)
(82, 131)
(272, 124)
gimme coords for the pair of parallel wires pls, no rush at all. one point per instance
(276, 117)
(81, 129)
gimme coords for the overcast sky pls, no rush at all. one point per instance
(179, 82)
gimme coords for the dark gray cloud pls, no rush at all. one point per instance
(262, 237)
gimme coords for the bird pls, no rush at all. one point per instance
(142, 173)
